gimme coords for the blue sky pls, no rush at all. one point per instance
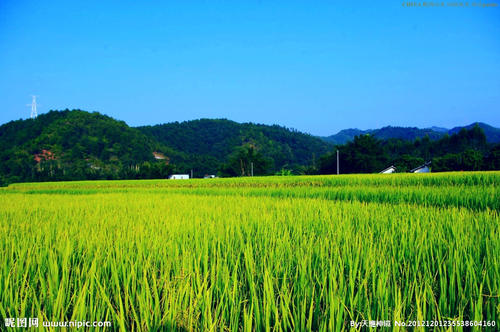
(315, 66)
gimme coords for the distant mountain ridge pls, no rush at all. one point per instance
(492, 133)
(411, 133)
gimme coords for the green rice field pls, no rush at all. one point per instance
(298, 253)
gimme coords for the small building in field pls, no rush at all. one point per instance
(179, 177)
(422, 168)
(388, 170)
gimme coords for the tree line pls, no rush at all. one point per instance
(77, 145)
(466, 150)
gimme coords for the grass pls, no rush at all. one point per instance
(274, 253)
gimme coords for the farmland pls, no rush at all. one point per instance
(265, 253)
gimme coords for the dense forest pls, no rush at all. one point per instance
(219, 141)
(466, 150)
(75, 145)
(78, 145)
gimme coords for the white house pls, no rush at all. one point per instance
(422, 169)
(179, 177)
(389, 170)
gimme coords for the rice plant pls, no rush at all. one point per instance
(256, 254)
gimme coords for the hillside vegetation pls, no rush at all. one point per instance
(219, 139)
(466, 150)
(78, 145)
(73, 145)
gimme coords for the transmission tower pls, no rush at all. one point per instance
(33, 104)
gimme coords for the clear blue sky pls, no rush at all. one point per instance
(317, 66)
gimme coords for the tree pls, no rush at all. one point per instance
(407, 162)
(241, 160)
(365, 154)
(472, 160)
(492, 160)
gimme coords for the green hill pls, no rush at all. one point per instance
(76, 145)
(217, 139)
(73, 145)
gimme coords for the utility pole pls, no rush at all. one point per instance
(251, 168)
(191, 173)
(338, 169)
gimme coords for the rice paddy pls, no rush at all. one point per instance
(309, 253)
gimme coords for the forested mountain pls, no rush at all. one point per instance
(411, 133)
(218, 139)
(75, 145)
(78, 145)
(72, 145)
